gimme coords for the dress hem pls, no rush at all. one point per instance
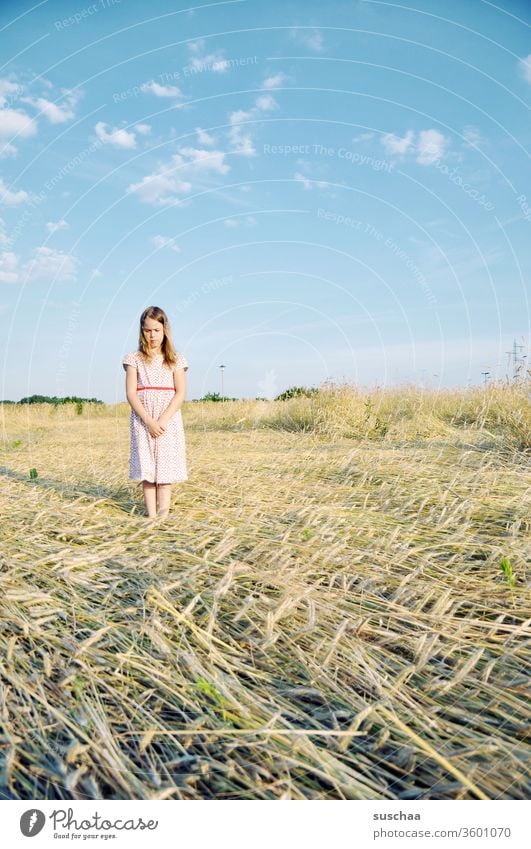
(177, 480)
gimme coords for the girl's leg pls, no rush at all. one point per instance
(150, 496)
(163, 499)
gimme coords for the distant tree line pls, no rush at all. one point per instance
(55, 401)
(210, 396)
(289, 393)
(46, 399)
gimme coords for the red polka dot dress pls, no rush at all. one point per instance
(160, 459)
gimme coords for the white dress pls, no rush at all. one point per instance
(160, 459)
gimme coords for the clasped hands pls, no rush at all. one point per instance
(157, 428)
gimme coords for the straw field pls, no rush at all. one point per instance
(337, 607)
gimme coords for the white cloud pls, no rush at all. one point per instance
(240, 139)
(165, 242)
(203, 137)
(7, 150)
(245, 221)
(196, 46)
(430, 146)
(396, 145)
(212, 61)
(117, 137)
(302, 179)
(472, 136)
(241, 142)
(205, 160)
(275, 81)
(3, 235)
(54, 226)
(525, 67)
(11, 198)
(266, 102)
(202, 61)
(8, 267)
(143, 129)
(239, 116)
(307, 183)
(15, 122)
(48, 263)
(314, 41)
(161, 90)
(310, 37)
(56, 114)
(363, 137)
(9, 91)
(161, 187)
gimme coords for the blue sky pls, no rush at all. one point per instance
(311, 192)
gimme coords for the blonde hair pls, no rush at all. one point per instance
(169, 353)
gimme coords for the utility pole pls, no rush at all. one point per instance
(222, 368)
(517, 358)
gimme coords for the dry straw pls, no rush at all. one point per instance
(322, 615)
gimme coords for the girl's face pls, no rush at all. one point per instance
(153, 332)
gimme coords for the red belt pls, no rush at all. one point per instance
(157, 387)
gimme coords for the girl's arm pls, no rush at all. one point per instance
(132, 396)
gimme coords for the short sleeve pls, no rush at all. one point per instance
(182, 362)
(129, 360)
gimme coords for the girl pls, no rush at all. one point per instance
(155, 386)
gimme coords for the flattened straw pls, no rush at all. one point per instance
(428, 748)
